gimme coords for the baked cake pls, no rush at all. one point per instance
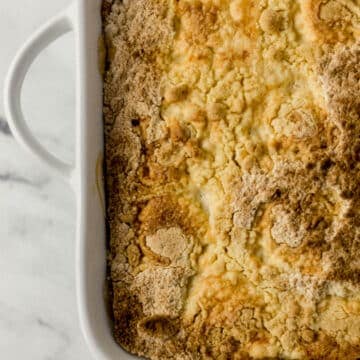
(232, 155)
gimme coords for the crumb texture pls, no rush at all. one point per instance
(232, 143)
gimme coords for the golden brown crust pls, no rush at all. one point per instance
(232, 155)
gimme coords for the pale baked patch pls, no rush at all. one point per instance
(232, 136)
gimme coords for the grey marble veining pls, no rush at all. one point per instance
(4, 127)
(38, 315)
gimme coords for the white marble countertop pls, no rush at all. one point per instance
(38, 317)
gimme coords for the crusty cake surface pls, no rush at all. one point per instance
(232, 136)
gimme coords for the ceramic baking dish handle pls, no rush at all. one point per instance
(59, 25)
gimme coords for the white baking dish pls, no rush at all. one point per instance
(83, 18)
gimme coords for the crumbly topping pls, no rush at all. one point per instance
(232, 141)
